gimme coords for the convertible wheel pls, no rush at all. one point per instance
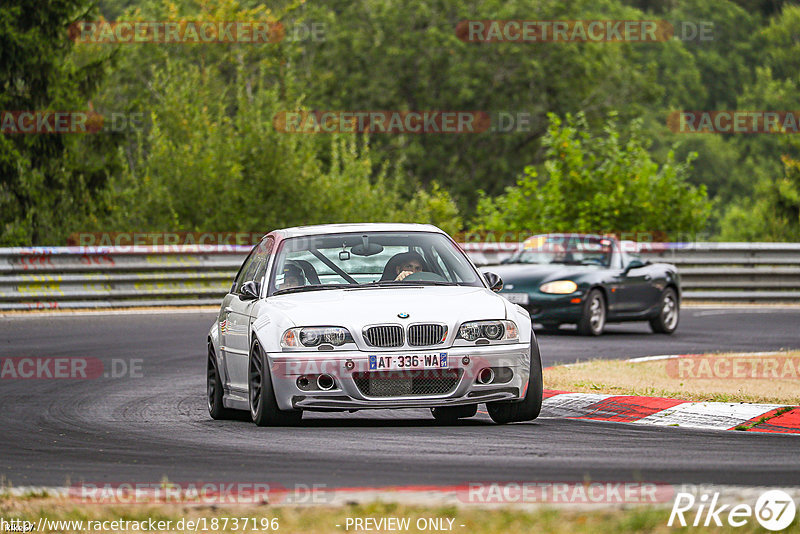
(669, 313)
(451, 414)
(528, 409)
(593, 319)
(214, 390)
(263, 408)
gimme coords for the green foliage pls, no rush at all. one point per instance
(209, 158)
(782, 50)
(405, 55)
(773, 214)
(598, 183)
(214, 162)
(47, 182)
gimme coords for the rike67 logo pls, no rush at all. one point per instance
(774, 510)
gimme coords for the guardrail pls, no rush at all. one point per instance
(94, 277)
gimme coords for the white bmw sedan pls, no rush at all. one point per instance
(369, 316)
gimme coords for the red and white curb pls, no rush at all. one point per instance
(669, 412)
(782, 419)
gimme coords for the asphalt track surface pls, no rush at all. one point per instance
(145, 428)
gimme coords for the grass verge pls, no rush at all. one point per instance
(322, 520)
(724, 377)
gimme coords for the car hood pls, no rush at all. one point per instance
(526, 275)
(358, 307)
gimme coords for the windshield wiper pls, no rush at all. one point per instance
(312, 287)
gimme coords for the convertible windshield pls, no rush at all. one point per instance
(372, 259)
(564, 249)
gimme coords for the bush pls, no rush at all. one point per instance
(598, 183)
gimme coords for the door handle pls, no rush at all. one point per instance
(648, 277)
(228, 309)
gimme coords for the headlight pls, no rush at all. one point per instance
(493, 330)
(315, 336)
(559, 287)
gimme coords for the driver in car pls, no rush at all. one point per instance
(408, 263)
(293, 276)
(560, 254)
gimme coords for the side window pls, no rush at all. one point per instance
(255, 266)
(262, 259)
(240, 276)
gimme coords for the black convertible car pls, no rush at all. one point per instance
(589, 280)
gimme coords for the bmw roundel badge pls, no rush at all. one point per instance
(403, 315)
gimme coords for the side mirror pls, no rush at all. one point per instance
(249, 291)
(635, 264)
(494, 281)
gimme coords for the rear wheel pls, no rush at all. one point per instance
(214, 390)
(528, 409)
(668, 314)
(451, 414)
(593, 318)
(264, 409)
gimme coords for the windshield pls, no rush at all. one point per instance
(564, 249)
(371, 259)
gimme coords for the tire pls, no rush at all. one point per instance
(264, 409)
(593, 317)
(451, 414)
(528, 409)
(668, 313)
(216, 409)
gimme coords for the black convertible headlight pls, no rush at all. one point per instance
(493, 330)
(559, 287)
(313, 336)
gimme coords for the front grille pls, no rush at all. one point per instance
(425, 335)
(407, 383)
(384, 336)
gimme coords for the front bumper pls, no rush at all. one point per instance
(545, 308)
(287, 367)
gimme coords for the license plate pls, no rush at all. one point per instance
(517, 298)
(393, 362)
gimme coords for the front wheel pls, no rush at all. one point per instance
(264, 409)
(668, 314)
(214, 390)
(593, 318)
(528, 409)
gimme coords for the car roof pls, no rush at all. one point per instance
(321, 229)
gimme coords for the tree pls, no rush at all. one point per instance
(48, 183)
(406, 55)
(598, 183)
(211, 158)
(773, 214)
